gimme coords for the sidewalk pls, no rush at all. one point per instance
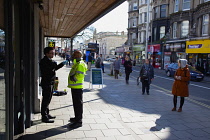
(120, 112)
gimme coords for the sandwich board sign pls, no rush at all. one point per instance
(96, 77)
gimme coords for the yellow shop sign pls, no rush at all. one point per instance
(200, 46)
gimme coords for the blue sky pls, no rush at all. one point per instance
(115, 20)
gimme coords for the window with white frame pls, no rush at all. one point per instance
(205, 24)
(186, 5)
(155, 12)
(155, 33)
(142, 37)
(206, 0)
(134, 22)
(162, 31)
(135, 6)
(175, 30)
(140, 18)
(145, 1)
(133, 36)
(176, 6)
(145, 16)
(184, 28)
(163, 11)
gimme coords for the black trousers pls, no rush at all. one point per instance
(116, 72)
(127, 74)
(47, 92)
(145, 86)
(77, 103)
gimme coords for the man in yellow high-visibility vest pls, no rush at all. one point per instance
(75, 82)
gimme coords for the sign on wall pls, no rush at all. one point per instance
(200, 46)
(51, 44)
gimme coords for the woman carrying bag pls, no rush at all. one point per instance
(180, 85)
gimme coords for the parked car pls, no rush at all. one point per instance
(194, 73)
(112, 59)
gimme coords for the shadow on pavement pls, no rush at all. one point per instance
(46, 133)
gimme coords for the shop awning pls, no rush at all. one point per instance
(199, 46)
(66, 18)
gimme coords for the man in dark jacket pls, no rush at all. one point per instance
(146, 75)
(48, 68)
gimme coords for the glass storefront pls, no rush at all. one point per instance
(2, 85)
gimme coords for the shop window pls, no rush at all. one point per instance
(162, 31)
(163, 11)
(2, 83)
(175, 30)
(176, 6)
(205, 24)
(185, 28)
(186, 5)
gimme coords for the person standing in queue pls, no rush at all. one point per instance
(75, 82)
(48, 75)
(128, 68)
(146, 76)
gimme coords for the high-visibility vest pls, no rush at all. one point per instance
(78, 70)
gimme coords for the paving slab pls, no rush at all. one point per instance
(120, 112)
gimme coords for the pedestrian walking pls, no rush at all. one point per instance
(128, 68)
(116, 65)
(146, 76)
(180, 85)
(68, 59)
(90, 59)
(98, 61)
(48, 75)
(75, 82)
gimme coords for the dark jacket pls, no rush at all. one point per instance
(149, 73)
(48, 68)
(90, 58)
(128, 66)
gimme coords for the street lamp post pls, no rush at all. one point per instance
(147, 29)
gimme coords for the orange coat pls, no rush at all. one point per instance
(180, 87)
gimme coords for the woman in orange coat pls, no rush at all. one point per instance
(180, 86)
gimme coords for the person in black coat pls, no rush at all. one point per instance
(48, 75)
(128, 68)
(146, 75)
